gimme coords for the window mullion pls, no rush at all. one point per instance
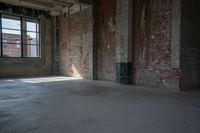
(36, 38)
(1, 36)
(40, 42)
(22, 40)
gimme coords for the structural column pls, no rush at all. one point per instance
(176, 34)
(124, 42)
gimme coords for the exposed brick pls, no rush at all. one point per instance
(76, 44)
(152, 44)
(106, 39)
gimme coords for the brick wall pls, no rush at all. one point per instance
(151, 44)
(76, 44)
(10, 50)
(106, 19)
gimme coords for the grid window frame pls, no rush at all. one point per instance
(23, 31)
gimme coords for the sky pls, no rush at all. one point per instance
(15, 24)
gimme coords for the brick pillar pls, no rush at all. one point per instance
(124, 42)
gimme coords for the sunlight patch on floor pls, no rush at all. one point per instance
(47, 79)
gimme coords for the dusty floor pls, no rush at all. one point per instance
(63, 105)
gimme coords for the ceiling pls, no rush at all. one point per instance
(47, 5)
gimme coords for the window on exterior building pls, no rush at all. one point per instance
(5, 44)
(17, 43)
(22, 37)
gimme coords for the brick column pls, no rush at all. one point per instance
(124, 42)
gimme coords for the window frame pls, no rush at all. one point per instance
(23, 20)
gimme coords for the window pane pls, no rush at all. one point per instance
(11, 23)
(11, 36)
(31, 26)
(11, 51)
(31, 51)
(31, 38)
(11, 31)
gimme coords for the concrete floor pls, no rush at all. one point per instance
(64, 105)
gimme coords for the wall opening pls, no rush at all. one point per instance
(190, 44)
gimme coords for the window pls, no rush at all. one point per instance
(20, 37)
(5, 45)
(31, 39)
(17, 43)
